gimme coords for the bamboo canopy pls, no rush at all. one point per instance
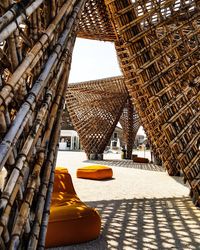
(157, 44)
(95, 108)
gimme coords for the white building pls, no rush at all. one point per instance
(69, 140)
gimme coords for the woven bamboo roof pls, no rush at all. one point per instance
(95, 22)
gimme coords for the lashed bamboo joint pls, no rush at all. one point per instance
(157, 43)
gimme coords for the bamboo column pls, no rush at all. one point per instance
(32, 98)
(95, 108)
(130, 131)
(161, 41)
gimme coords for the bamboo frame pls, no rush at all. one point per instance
(130, 123)
(32, 99)
(95, 108)
(159, 50)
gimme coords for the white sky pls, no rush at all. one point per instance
(93, 60)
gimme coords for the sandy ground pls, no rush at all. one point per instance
(141, 207)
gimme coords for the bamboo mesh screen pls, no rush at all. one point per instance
(130, 123)
(95, 22)
(95, 108)
(161, 42)
(36, 42)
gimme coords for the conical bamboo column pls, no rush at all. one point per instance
(130, 123)
(161, 41)
(95, 108)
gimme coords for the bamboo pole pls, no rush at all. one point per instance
(9, 29)
(35, 54)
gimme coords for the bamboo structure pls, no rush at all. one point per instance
(95, 108)
(37, 39)
(157, 44)
(130, 123)
(95, 22)
(160, 43)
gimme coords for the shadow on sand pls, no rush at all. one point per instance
(167, 223)
(128, 164)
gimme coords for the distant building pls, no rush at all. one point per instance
(69, 140)
(116, 140)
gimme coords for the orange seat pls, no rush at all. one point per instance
(71, 221)
(95, 172)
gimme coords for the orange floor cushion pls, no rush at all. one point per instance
(71, 221)
(95, 172)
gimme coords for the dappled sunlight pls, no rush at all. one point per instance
(168, 223)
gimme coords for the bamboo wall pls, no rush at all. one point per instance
(36, 43)
(158, 47)
(95, 108)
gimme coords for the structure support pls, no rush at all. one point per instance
(130, 132)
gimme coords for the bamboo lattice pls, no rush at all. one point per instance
(95, 108)
(160, 43)
(95, 22)
(36, 43)
(130, 123)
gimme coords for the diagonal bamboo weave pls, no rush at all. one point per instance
(95, 108)
(160, 43)
(95, 22)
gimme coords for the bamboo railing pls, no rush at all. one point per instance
(159, 50)
(36, 43)
(95, 108)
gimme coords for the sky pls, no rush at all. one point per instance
(93, 60)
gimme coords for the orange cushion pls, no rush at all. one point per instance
(72, 224)
(95, 172)
(62, 181)
(70, 221)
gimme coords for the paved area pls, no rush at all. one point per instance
(141, 207)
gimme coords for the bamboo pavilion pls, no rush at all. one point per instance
(157, 44)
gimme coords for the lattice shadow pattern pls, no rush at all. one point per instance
(146, 224)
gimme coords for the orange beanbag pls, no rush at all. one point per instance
(95, 172)
(71, 221)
